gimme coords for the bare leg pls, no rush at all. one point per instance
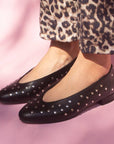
(87, 69)
(58, 55)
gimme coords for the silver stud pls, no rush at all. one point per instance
(81, 96)
(65, 114)
(43, 105)
(52, 106)
(42, 82)
(36, 107)
(35, 99)
(96, 90)
(112, 75)
(16, 92)
(86, 104)
(26, 87)
(59, 105)
(62, 110)
(61, 74)
(78, 103)
(11, 94)
(22, 91)
(72, 109)
(38, 102)
(43, 90)
(34, 91)
(92, 101)
(55, 112)
(26, 107)
(101, 85)
(48, 110)
(37, 95)
(52, 78)
(99, 94)
(33, 86)
(106, 89)
(92, 93)
(41, 112)
(87, 97)
(112, 89)
(32, 112)
(49, 85)
(69, 101)
(67, 106)
(77, 110)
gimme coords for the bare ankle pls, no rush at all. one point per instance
(68, 48)
(99, 59)
(94, 64)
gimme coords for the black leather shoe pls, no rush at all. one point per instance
(16, 92)
(100, 92)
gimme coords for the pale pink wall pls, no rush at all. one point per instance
(20, 45)
(20, 49)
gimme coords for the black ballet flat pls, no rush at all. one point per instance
(17, 93)
(100, 92)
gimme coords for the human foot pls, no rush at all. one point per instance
(58, 55)
(87, 69)
(16, 93)
(30, 86)
(101, 92)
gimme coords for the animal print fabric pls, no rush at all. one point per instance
(89, 21)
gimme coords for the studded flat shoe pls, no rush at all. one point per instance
(16, 92)
(100, 92)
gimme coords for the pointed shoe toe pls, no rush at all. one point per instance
(30, 113)
(25, 116)
(100, 92)
(17, 93)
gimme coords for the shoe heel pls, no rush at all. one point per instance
(106, 100)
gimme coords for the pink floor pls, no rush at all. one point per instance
(20, 49)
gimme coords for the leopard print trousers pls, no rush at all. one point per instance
(89, 21)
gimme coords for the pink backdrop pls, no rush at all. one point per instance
(20, 49)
